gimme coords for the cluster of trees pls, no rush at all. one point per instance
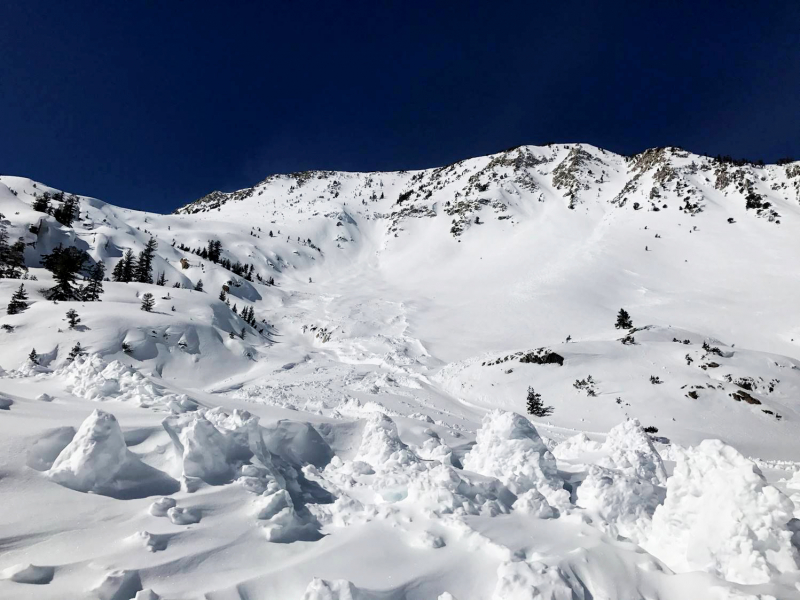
(65, 213)
(248, 315)
(140, 269)
(12, 259)
(66, 264)
(213, 252)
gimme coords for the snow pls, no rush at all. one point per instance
(720, 515)
(368, 438)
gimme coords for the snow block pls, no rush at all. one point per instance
(721, 516)
(97, 460)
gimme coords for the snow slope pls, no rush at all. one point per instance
(365, 439)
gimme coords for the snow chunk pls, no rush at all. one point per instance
(119, 585)
(381, 445)
(576, 447)
(92, 378)
(631, 450)
(509, 448)
(532, 503)
(31, 574)
(530, 581)
(721, 516)
(97, 460)
(622, 505)
(340, 589)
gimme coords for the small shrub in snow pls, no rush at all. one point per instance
(535, 406)
(72, 318)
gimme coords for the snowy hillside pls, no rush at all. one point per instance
(325, 400)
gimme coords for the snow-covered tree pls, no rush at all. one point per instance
(147, 302)
(535, 405)
(65, 264)
(623, 320)
(18, 301)
(72, 318)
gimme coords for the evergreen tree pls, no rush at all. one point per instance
(162, 280)
(42, 203)
(125, 268)
(73, 318)
(535, 405)
(117, 274)
(94, 287)
(144, 265)
(12, 256)
(33, 357)
(18, 301)
(222, 295)
(623, 320)
(213, 250)
(147, 302)
(76, 352)
(198, 287)
(68, 211)
(235, 311)
(64, 264)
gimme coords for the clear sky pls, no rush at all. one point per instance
(154, 104)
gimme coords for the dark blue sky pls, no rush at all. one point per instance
(151, 105)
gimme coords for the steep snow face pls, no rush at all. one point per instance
(333, 405)
(721, 516)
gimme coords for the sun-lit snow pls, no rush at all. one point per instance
(367, 437)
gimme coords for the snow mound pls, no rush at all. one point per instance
(30, 574)
(92, 378)
(619, 504)
(721, 516)
(631, 450)
(97, 460)
(118, 585)
(215, 445)
(381, 446)
(530, 581)
(282, 524)
(340, 589)
(575, 447)
(509, 448)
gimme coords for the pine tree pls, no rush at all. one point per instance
(535, 405)
(162, 280)
(222, 295)
(42, 203)
(623, 320)
(12, 256)
(66, 213)
(118, 274)
(234, 309)
(73, 318)
(144, 265)
(33, 357)
(76, 352)
(125, 268)
(94, 287)
(147, 302)
(198, 287)
(18, 301)
(64, 264)
(213, 250)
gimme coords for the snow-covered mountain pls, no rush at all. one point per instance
(360, 426)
